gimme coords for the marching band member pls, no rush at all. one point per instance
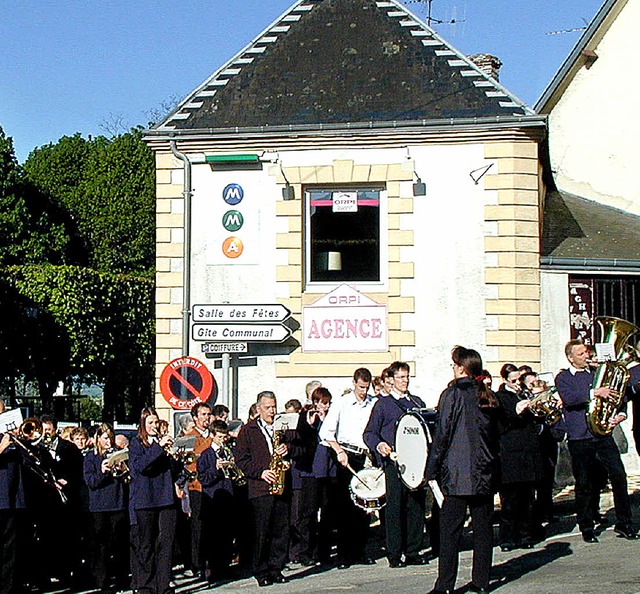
(107, 507)
(201, 414)
(254, 454)
(11, 505)
(404, 512)
(343, 430)
(152, 500)
(218, 509)
(521, 463)
(574, 387)
(462, 460)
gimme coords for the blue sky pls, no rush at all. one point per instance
(72, 66)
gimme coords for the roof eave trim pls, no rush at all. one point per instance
(453, 123)
(591, 264)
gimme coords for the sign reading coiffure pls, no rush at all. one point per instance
(344, 321)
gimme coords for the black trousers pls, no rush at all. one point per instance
(353, 521)
(195, 524)
(452, 517)
(109, 554)
(8, 547)
(404, 517)
(585, 454)
(543, 508)
(218, 519)
(516, 513)
(303, 521)
(155, 533)
(271, 533)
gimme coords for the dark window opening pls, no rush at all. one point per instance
(343, 235)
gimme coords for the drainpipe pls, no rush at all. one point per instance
(186, 278)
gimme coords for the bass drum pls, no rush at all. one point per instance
(413, 436)
(368, 489)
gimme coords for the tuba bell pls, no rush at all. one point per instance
(611, 374)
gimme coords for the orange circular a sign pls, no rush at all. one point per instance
(232, 247)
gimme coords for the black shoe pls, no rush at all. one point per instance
(589, 536)
(277, 578)
(625, 532)
(526, 543)
(264, 581)
(395, 563)
(477, 589)
(507, 547)
(343, 564)
(365, 561)
(416, 560)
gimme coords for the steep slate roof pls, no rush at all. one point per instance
(585, 234)
(340, 62)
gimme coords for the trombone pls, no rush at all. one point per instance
(30, 435)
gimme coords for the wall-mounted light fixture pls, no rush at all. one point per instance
(288, 192)
(419, 187)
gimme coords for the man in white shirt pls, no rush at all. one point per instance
(342, 430)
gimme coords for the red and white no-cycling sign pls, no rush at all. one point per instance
(185, 382)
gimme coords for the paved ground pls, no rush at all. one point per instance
(562, 564)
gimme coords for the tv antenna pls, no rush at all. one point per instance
(431, 20)
(574, 30)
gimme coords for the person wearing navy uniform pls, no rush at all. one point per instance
(574, 387)
(218, 509)
(107, 509)
(404, 512)
(11, 506)
(153, 502)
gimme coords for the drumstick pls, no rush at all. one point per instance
(354, 473)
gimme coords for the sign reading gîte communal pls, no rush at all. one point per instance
(185, 382)
(345, 321)
(237, 332)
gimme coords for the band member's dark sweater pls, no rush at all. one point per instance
(574, 392)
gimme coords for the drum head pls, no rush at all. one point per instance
(368, 489)
(412, 447)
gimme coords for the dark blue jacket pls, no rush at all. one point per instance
(152, 483)
(11, 490)
(211, 478)
(105, 492)
(464, 452)
(574, 393)
(383, 421)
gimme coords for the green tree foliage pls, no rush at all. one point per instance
(76, 268)
(30, 226)
(107, 188)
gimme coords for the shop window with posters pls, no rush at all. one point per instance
(343, 242)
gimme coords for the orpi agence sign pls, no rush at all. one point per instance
(345, 321)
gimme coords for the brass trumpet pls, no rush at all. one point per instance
(117, 463)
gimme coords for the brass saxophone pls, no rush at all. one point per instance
(230, 468)
(278, 465)
(611, 374)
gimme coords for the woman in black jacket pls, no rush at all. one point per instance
(462, 460)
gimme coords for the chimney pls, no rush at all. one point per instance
(488, 64)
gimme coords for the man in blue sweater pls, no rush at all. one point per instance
(574, 387)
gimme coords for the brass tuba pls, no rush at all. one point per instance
(611, 374)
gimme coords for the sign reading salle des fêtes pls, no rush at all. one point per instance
(345, 321)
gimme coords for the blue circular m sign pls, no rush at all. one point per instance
(233, 194)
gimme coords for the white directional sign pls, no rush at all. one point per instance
(224, 347)
(240, 332)
(245, 313)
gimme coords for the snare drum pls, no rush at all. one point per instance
(413, 436)
(368, 489)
